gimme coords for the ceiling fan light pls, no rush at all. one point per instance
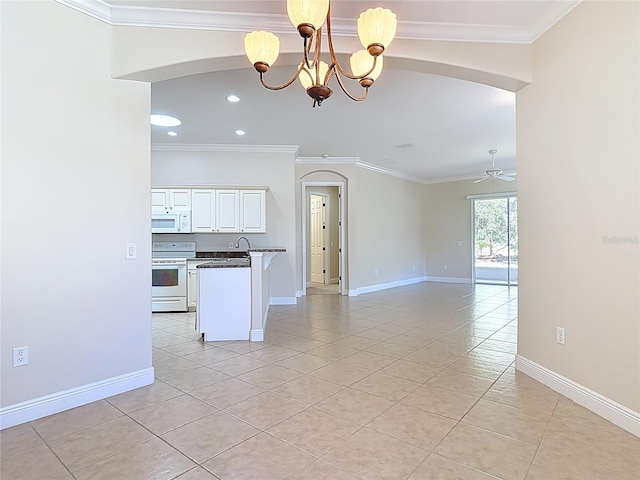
(262, 47)
(377, 26)
(361, 62)
(307, 12)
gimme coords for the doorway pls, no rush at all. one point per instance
(323, 243)
(495, 222)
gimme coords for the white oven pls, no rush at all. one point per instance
(169, 275)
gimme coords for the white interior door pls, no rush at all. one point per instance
(317, 226)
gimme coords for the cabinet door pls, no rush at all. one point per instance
(180, 199)
(159, 200)
(253, 216)
(227, 210)
(192, 288)
(203, 210)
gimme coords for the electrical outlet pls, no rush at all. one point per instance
(375, 271)
(560, 335)
(230, 244)
(459, 244)
(444, 267)
(20, 356)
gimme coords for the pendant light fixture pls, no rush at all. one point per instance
(376, 29)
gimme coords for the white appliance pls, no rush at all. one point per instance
(173, 222)
(169, 275)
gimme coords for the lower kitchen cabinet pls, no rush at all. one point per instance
(192, 283)
(224, 305)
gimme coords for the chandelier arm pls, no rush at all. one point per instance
(307, 50)
(347, 93)
(284, 85)
(334, 59)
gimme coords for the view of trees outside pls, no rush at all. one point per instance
(496, 233)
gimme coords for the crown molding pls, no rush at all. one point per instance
(137, 16)
(359, 163)
(207, 147)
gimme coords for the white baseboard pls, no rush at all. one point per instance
(617, 414)
(384, 286)
(283, 300)
(299, 294)
(449, 279)
(57, 402)
(256, 335)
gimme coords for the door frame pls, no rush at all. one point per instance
(342, 227)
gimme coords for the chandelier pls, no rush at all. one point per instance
(376, 29)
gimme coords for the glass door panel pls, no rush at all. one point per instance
(495, 242)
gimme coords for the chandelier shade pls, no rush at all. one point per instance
(307, 12)
(362, 63)
(376, 29)
(377, 26)
(262, 47)
(308, 77)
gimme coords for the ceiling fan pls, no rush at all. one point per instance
(493, 172)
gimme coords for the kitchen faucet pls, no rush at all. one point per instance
(246, 240)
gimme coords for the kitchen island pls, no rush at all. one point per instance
(234, 294)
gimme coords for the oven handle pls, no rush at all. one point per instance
(160, 263)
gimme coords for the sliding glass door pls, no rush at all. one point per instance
(496, 240)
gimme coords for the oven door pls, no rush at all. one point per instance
(169, 277)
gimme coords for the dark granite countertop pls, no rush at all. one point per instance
(228, 262)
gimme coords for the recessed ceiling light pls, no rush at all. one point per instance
(404, 145)
(240, 132)
(171, 133)
(233, 98)
(164, 120)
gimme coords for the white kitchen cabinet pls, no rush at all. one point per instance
(253, 211)
(224, 305)
(168, 199)
(216, 210)
(203, 214)
(192, 283)
(227, 211)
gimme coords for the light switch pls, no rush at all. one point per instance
(459, 244)
(130, 252)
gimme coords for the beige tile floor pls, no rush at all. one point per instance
(411, 383)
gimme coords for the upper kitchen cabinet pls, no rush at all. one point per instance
(228, 210)
(168, 199)
(203, 214)
(253, 211)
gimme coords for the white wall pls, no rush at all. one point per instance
(383, 224)
(578, 184)
(72, 197)
(448, 216)
(273, 170)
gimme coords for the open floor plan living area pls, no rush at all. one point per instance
(410, 383)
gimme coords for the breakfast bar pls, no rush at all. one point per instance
(234, 294)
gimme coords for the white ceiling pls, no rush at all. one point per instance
(420, 126)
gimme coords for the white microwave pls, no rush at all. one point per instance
(174, 222)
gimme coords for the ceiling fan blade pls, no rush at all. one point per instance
(480, 180)
(506, 179)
